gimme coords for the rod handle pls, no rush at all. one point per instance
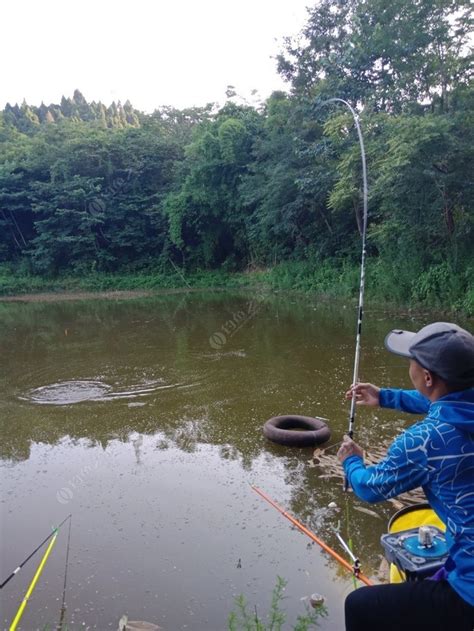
(346, 485)
(350, 433)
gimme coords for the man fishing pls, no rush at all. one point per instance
(437, 454)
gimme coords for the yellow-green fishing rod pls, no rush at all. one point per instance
(17, 569)
(24, 602)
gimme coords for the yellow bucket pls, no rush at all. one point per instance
(411, 517)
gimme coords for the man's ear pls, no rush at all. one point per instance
(429, 379)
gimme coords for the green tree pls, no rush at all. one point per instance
(387, 55)
(207, 225)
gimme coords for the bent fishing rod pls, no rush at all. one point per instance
(355, 569)
(360, 311)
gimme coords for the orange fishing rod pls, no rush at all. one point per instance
(312, 536)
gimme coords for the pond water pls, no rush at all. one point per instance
(143, 419)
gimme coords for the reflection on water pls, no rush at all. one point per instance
(126, 415)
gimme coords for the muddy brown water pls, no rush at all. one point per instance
(143, 418)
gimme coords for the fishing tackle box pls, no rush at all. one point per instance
(416, 552)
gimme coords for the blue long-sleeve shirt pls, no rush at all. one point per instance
(437, 454)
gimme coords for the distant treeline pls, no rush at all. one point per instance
(86, 188)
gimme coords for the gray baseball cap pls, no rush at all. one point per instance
(441, 347)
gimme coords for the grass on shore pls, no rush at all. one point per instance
(436, 288)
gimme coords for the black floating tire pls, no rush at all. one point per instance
(297, 431)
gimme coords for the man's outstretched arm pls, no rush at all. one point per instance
(405, 400)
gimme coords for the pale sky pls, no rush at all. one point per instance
(153, 52)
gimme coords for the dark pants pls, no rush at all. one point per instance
(415, 606)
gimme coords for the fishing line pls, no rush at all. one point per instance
(355, 375)
(333, 446)
(63, 603)
(16, 570)
(349, 538)
(349, 548)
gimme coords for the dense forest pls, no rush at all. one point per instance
(90, 189)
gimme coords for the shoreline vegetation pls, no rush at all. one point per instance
(326, 281)
(263, 194)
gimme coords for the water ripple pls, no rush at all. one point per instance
(69, 392)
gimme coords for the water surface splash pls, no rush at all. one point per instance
(70, 392)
